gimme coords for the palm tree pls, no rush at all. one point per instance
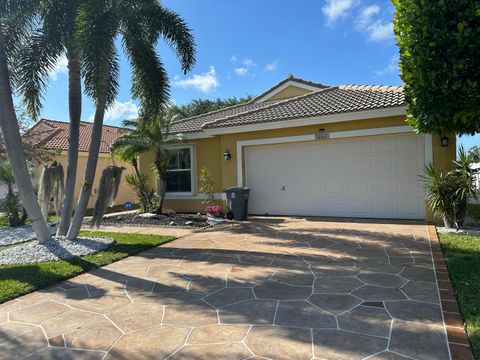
(18, 12)
(139, 23)
(149, 136)
(52, 38)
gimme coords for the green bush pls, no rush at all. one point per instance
(145, 193)
(448, 192)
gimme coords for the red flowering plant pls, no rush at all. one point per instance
(215, 210)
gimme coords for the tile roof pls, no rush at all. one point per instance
(52, 134)
(333, 100)
(194, 124)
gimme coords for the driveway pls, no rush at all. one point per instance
(274, 288)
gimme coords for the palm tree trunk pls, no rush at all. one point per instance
(91, 167)
(16, 155)
(75, 109)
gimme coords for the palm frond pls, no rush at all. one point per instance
(150, 83)
(36, 62)
(176, 32)
(96, 30)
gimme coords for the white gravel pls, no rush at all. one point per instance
(470, 230)
(15, 235)
(32, 251)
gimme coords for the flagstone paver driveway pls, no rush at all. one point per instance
(273, 288)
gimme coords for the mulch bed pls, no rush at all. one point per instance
(177, 220)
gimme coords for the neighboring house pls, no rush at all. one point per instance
(309, 149)
(52, 134)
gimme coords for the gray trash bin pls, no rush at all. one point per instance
(237, 201)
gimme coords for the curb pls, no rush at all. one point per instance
(454, 325)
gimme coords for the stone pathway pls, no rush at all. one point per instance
(273, 288)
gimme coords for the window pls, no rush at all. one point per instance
(179, 177)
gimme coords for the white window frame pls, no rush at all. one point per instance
(193, 171)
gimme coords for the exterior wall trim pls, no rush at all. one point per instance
(311, 137)
(428, 149)
(319, 120)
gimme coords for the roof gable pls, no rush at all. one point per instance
(288, 88)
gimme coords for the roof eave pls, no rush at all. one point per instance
(316, 120)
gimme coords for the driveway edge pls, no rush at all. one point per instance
(456, 334)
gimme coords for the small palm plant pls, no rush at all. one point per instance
(16, 214)
(448, 192)
(152, 135)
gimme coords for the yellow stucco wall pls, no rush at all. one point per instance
(289, 92)
(209, 152)
(125, 193)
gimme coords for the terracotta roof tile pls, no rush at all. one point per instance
(53, 134)
(333, 100)
(194, 124)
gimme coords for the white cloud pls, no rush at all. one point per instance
(234, 58)
(242, 71)
(336, 9)
(391, 68)
(60, 68)
(204, 82)
(120, 111)
(271, 66)
(377, 30)
(380, 31)
(249, 63)
(366, 16)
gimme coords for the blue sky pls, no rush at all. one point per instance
(245, 47)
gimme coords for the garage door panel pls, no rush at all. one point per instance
(409, 144)
(335, 187)
(383, 166)
(361, 177)
(384, 145)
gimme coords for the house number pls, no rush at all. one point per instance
(322, 136)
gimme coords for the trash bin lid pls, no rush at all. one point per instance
(237, 189)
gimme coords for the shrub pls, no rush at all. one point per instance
(448, 192)
(207, 187)
(11, 204)
(145, 193)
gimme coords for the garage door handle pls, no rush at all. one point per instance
(283, 188)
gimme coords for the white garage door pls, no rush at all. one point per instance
(372, 177)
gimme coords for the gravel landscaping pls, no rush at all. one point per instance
(15, 235)
(177, 220)
(466, 230)
(33, 252)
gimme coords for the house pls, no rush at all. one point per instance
(309, 149)
(53, 135)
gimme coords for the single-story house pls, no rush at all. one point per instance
(309, 149)
(53, 135)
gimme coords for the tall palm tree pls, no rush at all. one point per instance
(52, 38)
(149, 136)
(17, 12)
(140, 24)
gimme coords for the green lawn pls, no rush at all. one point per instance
(17, 280)
(463, 260)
